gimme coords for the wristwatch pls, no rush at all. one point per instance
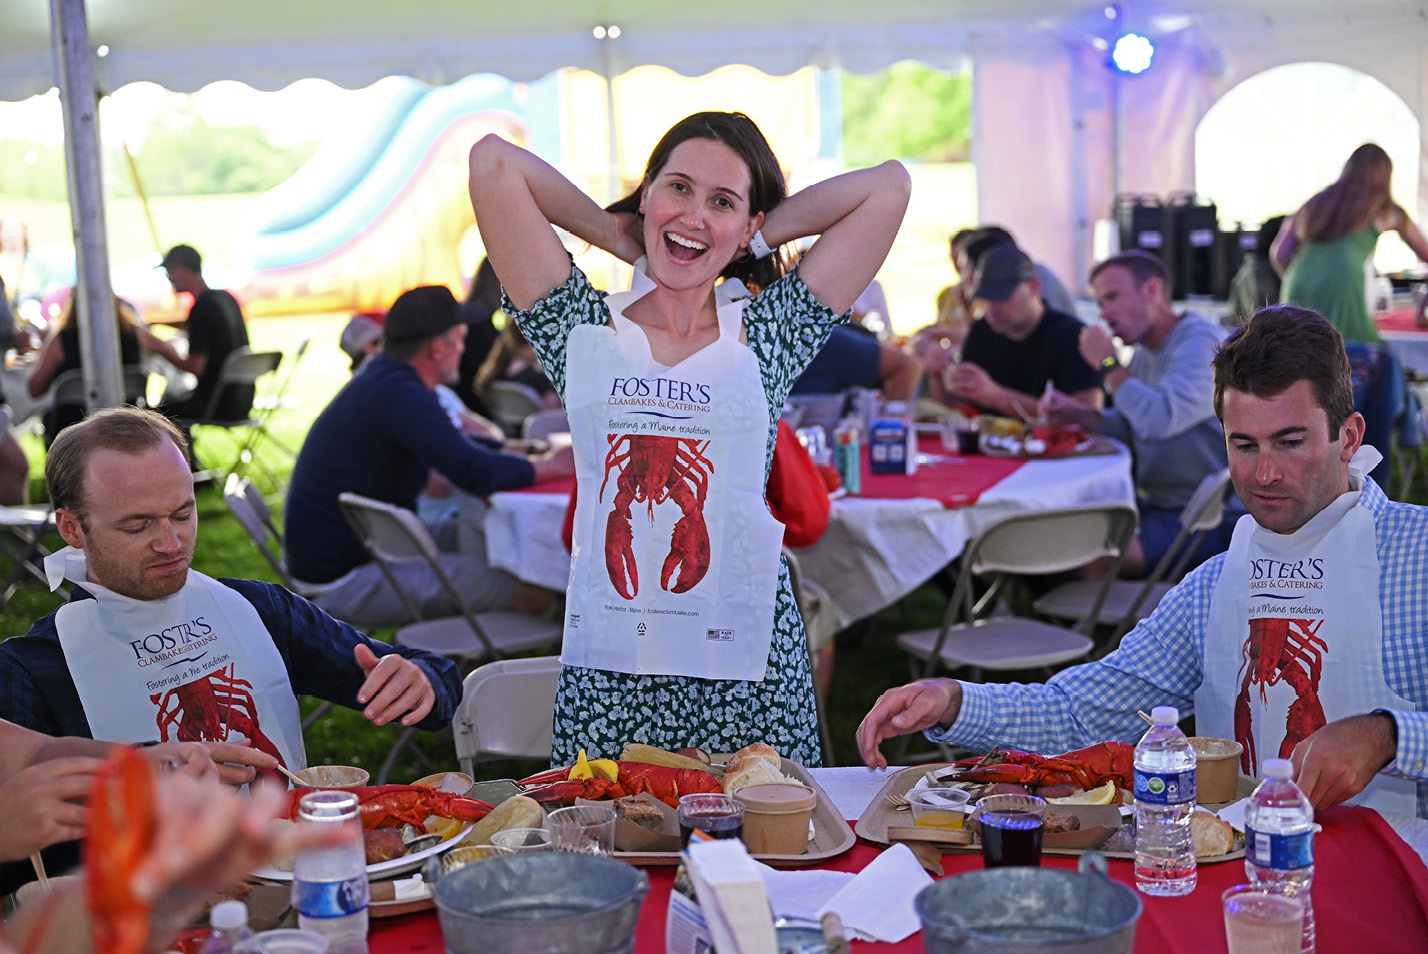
(1108, 364)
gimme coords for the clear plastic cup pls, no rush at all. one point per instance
(1263, 918)
(1011, 830)
(589, 829)
(938, 807)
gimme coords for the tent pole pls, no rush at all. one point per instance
(94, 298)
(607, 64)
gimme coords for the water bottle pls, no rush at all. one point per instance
(1164, 802)
(1279, 838)
(330, 890)
(848, 454)
(230, 931)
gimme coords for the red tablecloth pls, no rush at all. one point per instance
(1370, 895)
(953, 484)
(1400, 319)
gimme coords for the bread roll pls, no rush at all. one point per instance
(759, 751)
(1212, 834)
(754, 772)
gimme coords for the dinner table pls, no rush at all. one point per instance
(1370, 888)
(882, 542)
(1408, 342)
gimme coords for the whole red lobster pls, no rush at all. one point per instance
(661, 781)
(653, 470)
(1089, 767)
(389, 806)
(123, 823)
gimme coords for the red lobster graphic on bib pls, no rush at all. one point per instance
(1281, 650)
(654, 470)
(211, 708)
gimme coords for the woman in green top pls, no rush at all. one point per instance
(1324, 247)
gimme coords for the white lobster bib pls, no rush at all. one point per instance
(195, 666)
(670, 464)
(1295, 638)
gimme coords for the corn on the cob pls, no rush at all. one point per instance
(639, 752)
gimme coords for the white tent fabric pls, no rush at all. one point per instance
(1042, 93)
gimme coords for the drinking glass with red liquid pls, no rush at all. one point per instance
(719, 816)
(1011, 830)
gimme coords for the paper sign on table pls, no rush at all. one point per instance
(877, 903)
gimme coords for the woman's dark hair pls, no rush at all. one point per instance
(1359, 196)
(767, 186)
(1279, 346)
(485, 288)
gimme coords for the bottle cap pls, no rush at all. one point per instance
(1165, 715)
(228, 915)
(1278, 768)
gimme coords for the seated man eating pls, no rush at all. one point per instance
(1273, 643)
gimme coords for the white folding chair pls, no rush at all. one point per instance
(256, 518)
(1034, 543)
(266, 405)
(22, 532)
(506, 711)
(1126, 602)
(241, 368)
(511, 403)
(542, 424)
(394, 536)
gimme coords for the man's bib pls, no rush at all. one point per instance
(192, 667)
(675, 559)
(1294, 640)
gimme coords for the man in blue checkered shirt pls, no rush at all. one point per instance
(1272, 643)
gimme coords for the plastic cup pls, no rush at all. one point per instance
(588, 829)
(1263, 919)
(718, 816)
(938, 807)
(1011, 830)
(523, 839)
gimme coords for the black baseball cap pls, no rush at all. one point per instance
(182, 256)
(999, 271)
(421, 313)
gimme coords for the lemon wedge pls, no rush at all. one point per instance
(1103, 795)
(445, 827)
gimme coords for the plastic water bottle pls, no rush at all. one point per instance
(1279, 837)
(1164, 802)
(330, 890)
(230, 931)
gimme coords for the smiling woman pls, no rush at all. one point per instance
(715, 654)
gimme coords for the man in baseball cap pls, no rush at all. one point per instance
(1019, 345)
(382, 437)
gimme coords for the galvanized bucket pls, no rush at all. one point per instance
(1029, 911)
(553, 902)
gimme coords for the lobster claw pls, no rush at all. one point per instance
(620, 555)
(565, 793)
(688, 553)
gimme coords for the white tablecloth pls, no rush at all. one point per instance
(1409, 347)
(875, 551)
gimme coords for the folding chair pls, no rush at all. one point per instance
(24, 527)
(394, 536)
(68, 388)
(1035, 543)
(819, 627)
(542, 424)
(511, 403)
(242, 368)
(266, 405)
(257, 519)
(505, 711)
(1126, 602)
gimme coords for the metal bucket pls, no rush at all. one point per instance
(1029, 911)
(556, 903)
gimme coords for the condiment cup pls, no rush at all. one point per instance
(334, 776)
(523, 839)
(938, 807)
(589, 829)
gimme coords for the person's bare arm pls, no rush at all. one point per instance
(42, 375)
(898, 373)
(856, 216)
(517, 197)
(1285, 244)
(154, 344)
(558, 462)
(1060, 409)
(910, 708)
(1091, 397)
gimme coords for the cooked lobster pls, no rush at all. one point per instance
(1089, 767)
(661, 781)
(389, 806)
(123, 823)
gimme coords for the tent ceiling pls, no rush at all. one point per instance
(268, 44)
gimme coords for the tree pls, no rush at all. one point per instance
(909, 111)
(184, 155)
